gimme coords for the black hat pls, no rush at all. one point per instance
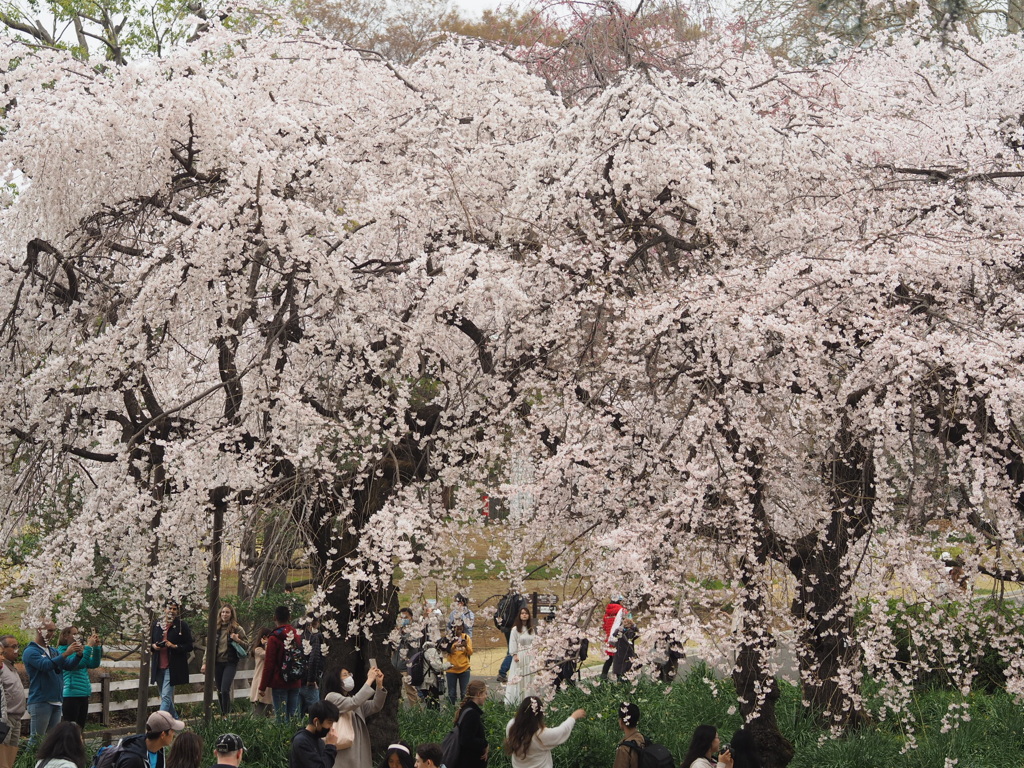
(461, 598)
(228, 743)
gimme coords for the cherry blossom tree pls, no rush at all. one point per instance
(754, 330)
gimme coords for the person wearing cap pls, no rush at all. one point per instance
(171, 642)
(146, 750)
(228, 750)
(461, 611)
(630, 749)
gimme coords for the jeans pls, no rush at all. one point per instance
(224, 674)
(163, 682)
(506, 663)
(44, 717)
(286, 697)
(308, 696)
(460, 679)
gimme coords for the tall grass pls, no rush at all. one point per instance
(993, 737)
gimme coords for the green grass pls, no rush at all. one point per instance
(993, 737)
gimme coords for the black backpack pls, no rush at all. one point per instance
(415, 669)
(110, 755)
(651, 755)
(508, 609)
(451, 747)
(293, 660)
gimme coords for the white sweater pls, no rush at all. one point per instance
(539, 753)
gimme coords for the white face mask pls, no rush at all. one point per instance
(348, 684)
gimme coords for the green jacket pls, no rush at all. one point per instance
(76, 681)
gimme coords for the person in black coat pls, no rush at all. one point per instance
(473, 747)
(171, 642)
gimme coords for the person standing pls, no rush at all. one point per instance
(283, 639)
(262, 702)
(358, 708)
(309, 692)
(505, 619)
(226, 657)
(407, 645)
(15, 700)
(460, 649)
(520, 644)
(77, 686)
(613, 615)
(628, 753)
(315, 746)
(461, 611)
(473, 747)
(528, 742)
(228, 750)
(171, 642)
(45, 683)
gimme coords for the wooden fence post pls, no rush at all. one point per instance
(105, 698)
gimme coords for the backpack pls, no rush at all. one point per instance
(415, 669)
(293, 660)
(450, 747)
(507, 611)
(108, 756)
(651, 755)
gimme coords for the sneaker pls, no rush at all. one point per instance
(501, 679)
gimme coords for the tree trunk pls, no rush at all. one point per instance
(826, 649)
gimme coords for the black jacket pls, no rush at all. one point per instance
(472, 738)
(135, 755)
(310, 752)
(177, 658)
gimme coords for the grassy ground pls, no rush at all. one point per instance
(993, 738)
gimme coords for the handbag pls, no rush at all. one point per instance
(240, 650)
(343, 730)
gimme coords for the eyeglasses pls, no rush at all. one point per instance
(10, 645)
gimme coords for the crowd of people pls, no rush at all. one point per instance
(433, 655)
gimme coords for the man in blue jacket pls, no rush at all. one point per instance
(45, 667)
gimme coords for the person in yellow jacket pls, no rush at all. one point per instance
(460, 648)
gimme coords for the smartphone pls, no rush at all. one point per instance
(373, 663)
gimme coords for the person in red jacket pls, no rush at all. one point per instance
(286, 694)
(613, 616)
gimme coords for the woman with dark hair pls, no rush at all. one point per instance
(356, 708)
(473, 747)
(630, 749)
(528, 742)
(703, 746)
(743, 751)
(399, 755)
(225, 657)
(62, 748)
(77, 686)
(520, 645)
(186, 751)
(262, 706)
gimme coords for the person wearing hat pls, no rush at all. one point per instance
(228, 750)
(461, 611)
(146, 750)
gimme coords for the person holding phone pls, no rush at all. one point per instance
(460, 648)
(77, 687)
(170, 640)
(704, 745)
(357, 708)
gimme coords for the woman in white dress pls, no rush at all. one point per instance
(520, 645)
